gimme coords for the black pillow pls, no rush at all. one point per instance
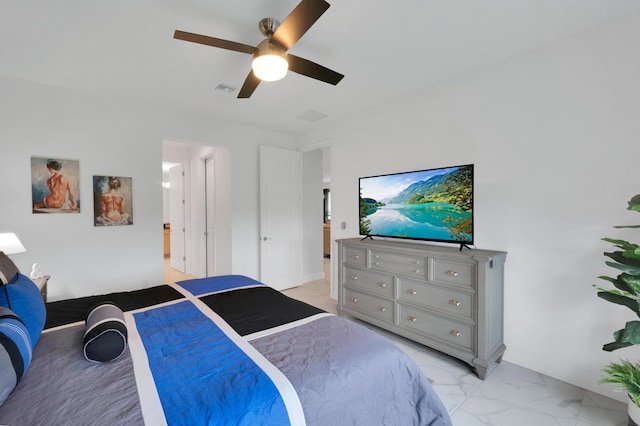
(106, 336)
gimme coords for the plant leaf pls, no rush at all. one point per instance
(632, 254)
(634, 203)
(621, 257)
(631, 270)
(626, 376)
(610, 347)
(622, 285)
(625, 245)
(621, 300)
(630, 333)
(631, 281)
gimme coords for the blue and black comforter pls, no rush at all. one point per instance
(221, 351)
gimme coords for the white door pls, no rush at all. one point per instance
(217, 185)
(210, 209)
(280, 217)
(176, 217)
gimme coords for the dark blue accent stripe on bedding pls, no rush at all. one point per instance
(202, 377)
(212, 284)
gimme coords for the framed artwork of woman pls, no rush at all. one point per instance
(55, 185)
(112, 201)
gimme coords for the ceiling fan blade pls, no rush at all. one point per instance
(313, 70)
(215, 42)
(298, 22)
(249, 86)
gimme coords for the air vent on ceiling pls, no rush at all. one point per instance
(226, 88)
(312, 116)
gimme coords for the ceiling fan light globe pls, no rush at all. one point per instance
(270, 67)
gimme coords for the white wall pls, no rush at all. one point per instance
(555, 137)
(112, 138)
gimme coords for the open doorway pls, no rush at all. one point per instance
(318, 240)
(206, 201)
(316, 218)
(174, 218)
(326, 207)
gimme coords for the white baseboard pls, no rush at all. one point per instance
(313, 277)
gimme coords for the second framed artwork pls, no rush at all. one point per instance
(112, 201)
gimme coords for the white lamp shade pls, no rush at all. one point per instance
(270, 67)
(10, 244)
(269, 62)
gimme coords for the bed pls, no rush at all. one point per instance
(222, 350)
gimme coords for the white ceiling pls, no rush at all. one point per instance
(125, 49)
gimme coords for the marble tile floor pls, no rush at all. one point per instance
(510, 395)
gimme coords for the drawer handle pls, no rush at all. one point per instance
(417, 271)
(381, 284)
(355, 256)
(413, 292)
(417, 262)
(382, 308)
(452, 273)
(454, 333)
(412, 318)
(454, 302)
(354, 299)
(377, 256)
(354, 277)
(377, 263)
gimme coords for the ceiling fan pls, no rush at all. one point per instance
(270, 60)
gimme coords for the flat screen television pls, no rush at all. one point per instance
(431, 205)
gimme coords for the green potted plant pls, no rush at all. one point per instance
(626, 260)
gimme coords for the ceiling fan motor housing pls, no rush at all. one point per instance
(268, 26)
(265, 47)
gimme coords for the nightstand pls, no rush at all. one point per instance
(42, 285)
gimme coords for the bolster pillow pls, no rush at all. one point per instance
(106, 336)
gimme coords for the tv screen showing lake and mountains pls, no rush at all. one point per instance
(434, 204)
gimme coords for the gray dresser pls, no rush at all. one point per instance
(439, 296)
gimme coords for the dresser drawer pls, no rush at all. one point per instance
(373, 282)
(413, 266)
(369, 305)
(355, 256)
(422, 322)
(448, 271)
(442, 299)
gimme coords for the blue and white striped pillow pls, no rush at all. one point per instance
(15, 351)
(23, 297)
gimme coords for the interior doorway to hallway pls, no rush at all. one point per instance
(206, 203)
(174, 217)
